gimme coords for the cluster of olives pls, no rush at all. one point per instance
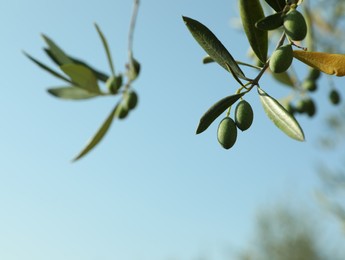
(129, 102)
(295, 28)
(227, 129)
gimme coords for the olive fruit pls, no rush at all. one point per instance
(314, 74)
(114, 83)
(301, 107)
(334, 97)
(123, 111)
(227, 133)
(295, 26)
(131, 100)
(243, 115)
(281, 59)
(310, 107)
(309, 85)
(133, 69)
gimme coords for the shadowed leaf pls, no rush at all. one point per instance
(277, 5)
(280, 117)
(332, 64)
(71, 92)
(270, 22)
(82, 77)
(100, 75)
(213, 47)
(99, 134)
(46, 68)
(216, 110)
(251, 12)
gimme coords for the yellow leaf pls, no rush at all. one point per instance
(332, 64)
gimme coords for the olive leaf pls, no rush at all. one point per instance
(280, 116)
(284, 78)
(213, 47)
(99, 134)
(56, 51)
(270, 22)
(82, 77)
(71, 92)
(100, 75)
(277, 5)
(106, 48)
(332, 64)
(251, 12)
(216, 110)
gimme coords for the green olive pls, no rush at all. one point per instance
(131, 100)
(123, 111)
(281, 59)
(243, 115)
(113, 84)
(310, 107)
(227, 133)
(334, 97)
(309, 85)
(295, 25)
(314, 74)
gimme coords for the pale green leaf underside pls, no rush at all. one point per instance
(71, 92)
(280, 117)
(215, 111)
(82, 76)
(213, 47)
(56, 51)
(99, 134)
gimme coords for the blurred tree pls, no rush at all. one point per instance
(284, 234)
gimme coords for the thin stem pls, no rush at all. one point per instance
(132, 27)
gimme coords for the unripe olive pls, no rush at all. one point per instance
(243, 115)
(290, 108)
(295, 25)
(123, 111)
(310, 107)
(133, 69)
(131, 100)
(113, 84)
(334, 97)
(301, 107)
(281, 59)
(314, 74)
(309, 85)
(227, 133)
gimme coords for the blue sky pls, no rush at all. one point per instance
(152, 189)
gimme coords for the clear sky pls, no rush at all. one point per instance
(152, 189)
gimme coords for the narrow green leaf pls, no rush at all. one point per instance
(56, 51)
(46, 68)
(100, 75)
(213, 47)
(277, 5)
(216, 110)
(82, 76)
(251, 12)
(270, 22)
(71, 92)
(280, 117)
(284, 78)
(99, 134)
(106, 48)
